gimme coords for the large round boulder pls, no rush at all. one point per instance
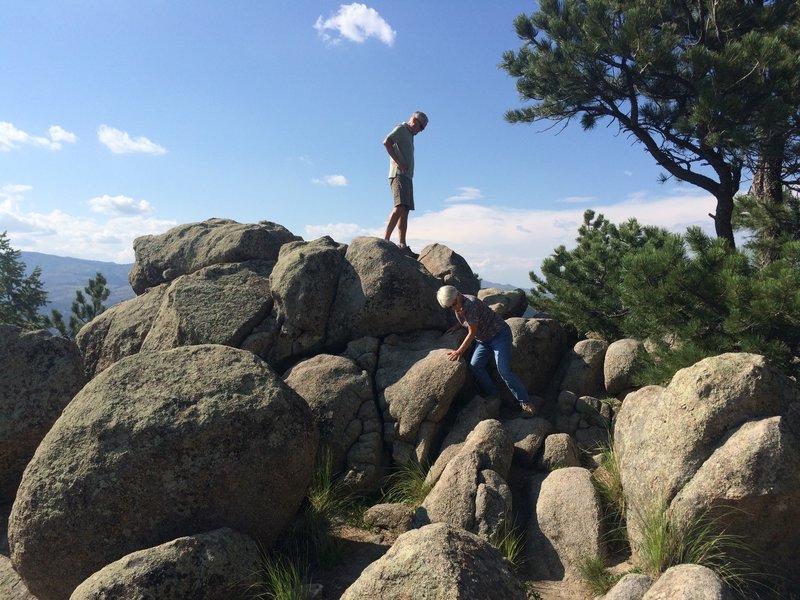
(217, 565)
(718, 438)
(566, 528)
(381, 291)
(187, 248)
(438, 561)
(156, 447)
(39, 375)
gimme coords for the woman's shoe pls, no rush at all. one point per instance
(527, 409)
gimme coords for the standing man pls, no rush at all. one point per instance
(400, 146)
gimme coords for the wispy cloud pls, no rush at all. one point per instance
(119, 142)
(116, 205)
(357, 23)
(341, 232)
(465, 194)
(12, 138)
(56, 232)
(331, 181)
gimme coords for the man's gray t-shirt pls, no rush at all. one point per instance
(403, 139)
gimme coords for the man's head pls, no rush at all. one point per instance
(447, 296)
(418, 121)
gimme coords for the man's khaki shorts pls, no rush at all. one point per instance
(402, 191)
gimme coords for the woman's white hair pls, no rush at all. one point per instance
(446, 296)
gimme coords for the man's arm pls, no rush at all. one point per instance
(389, 145)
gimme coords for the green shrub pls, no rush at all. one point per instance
(666, 542)
(607, 480)
(407, 484)
(596, 577)
(510, 541)
(280, 579)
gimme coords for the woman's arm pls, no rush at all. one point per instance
(458, 352)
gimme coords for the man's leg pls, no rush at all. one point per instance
(402, 223)
(393, 218)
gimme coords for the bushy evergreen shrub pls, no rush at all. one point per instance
(689, 295)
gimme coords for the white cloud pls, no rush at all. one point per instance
(11, 137)
(503, 244)
(62, 234)
(341, 232)
(357, 23)
(119, 142)
(465, 194)
(111, 205)
(331, 180)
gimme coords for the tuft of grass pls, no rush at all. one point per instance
(407, 485)
(509, 539)
(666, 542)
(281, 579)
(596, 576)
(607, 480)
(328, 504)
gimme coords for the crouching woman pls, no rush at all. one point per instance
(491, 335)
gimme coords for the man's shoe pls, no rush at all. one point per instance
(528, 410)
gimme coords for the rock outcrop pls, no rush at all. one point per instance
(188, 248)
(218, 565)
(40, 374)
(157, 447)
(342, 400)
(438, 561)
(717, 437)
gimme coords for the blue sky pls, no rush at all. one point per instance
(121, 118)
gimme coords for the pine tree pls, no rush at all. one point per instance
(20, 296)
(581, 286)
(83, 310)
(709, 88)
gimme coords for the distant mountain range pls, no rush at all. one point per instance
(62, 276)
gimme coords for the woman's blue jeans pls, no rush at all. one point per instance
(500, 345)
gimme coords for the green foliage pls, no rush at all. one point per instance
(509, 539)
(769, 224)
(607, 481)
(667, 541)
(407, 485)
(580, 286)
(279, 579)
(83, 310)
(329, 505)
(707, 299)
(595, 575)
(706, 87)
(691, 296)
(20, 296)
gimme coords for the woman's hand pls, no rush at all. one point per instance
(454, 328)
(455, 354)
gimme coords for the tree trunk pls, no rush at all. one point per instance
(722, 219)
